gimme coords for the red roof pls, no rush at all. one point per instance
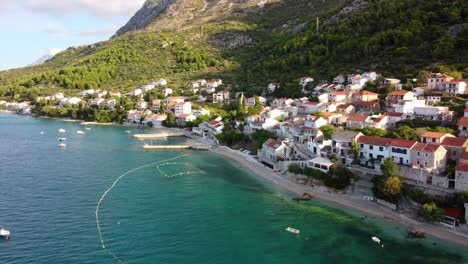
(274, 144)
(395, 114)
(454, 141)
(434, 134)
(462, 166)
(398, 93)
(424, 147)
(403, 143)
(340, 93)
(378, 141)
(366, 103)
(463, 121)
(466, 110)
(364, 92)
(312, 103)
(360, 118)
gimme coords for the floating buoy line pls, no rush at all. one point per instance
(159, 165)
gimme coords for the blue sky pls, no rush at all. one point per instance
(30, 28)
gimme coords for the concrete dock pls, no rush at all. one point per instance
(158, 136)
(166, 147)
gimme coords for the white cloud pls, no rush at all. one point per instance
(98, 8)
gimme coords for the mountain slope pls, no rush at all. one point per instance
(252, 42)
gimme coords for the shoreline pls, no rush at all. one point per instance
(368, 208)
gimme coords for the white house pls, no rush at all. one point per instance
(273, 151)
(370, 76)
(96, 101)
(315, 122)
(281, 102)
(339, 79)
(136, 92)
(111, 103)
(452, 87)
(161, 82)
(184, 108)
(339, 97)
(373, 149)
(167, 91)
(400, 151)
(87, 92)
(147, 87)
(156, 105)
(435, 79)
(74, 101)
(142, 105)
(407, 106)
(312, 107)
(220, 97)
(305, 80)
(273, 86)
(251, 101)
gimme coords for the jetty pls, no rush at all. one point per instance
(169, 147)
(158, 136)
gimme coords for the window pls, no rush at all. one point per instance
(454, 153)
(426, 154)
(419, 153)
(371, 156)
(371, 147)
(433, 140)
(381, 148)
(361, 146)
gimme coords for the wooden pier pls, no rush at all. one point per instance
(158, 136)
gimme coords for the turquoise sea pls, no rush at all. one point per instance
(48, 199)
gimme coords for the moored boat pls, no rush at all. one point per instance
(79, 132)
(4, 233)
(62, 144)
(293, 230)
(61, 130)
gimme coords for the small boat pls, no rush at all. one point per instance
(87, 128)
(79, 132)
(62, 130)
(61, 145)
(4, 233)
(61, 139)
(42, 133)
(127, 131)
(293, 230)
(376, 240)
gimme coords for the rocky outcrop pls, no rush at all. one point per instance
(231, 40)
(150, 10)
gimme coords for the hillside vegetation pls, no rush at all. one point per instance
(251, 46)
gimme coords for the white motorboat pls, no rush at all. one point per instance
(376, 240)
(79, 132)
(61, 145)
(127, 131)
(42, 133)
(62, 130)
(87, 128)
(4, 233)
(61, 139)
(293, 230)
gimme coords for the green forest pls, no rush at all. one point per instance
(396, 38)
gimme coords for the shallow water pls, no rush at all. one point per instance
(49, 195)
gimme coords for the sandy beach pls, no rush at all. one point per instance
(367, 208)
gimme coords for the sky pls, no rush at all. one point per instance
(31, 28)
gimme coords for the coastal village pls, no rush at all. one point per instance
(363, 122)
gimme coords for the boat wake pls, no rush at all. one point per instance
(158, 164)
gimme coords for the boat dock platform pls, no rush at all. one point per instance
(166, 147)
(158, 136)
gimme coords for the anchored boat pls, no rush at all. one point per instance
(62, 130)
(79, 132)
(4, 233)
(293, 230)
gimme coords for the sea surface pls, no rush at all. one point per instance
(217, 213)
